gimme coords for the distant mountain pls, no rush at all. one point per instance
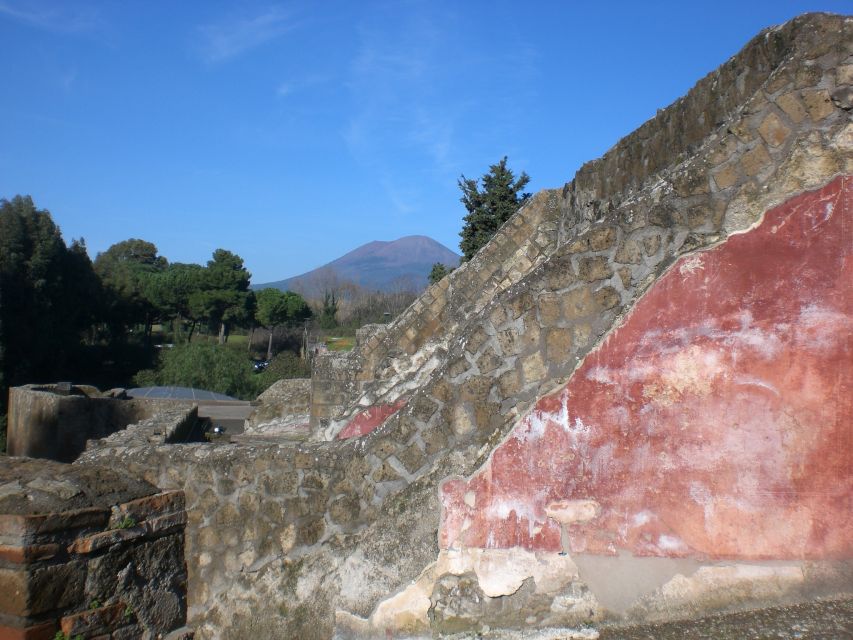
(378, 266)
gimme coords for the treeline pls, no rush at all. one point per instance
(63, 316)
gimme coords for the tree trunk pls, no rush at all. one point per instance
(249, 341)
(223, 334)
(192, 329)
(269, 347)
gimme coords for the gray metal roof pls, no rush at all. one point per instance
(178, 393)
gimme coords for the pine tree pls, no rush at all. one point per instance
(490, 207)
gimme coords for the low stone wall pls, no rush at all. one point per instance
(89, 552)
(46, 421)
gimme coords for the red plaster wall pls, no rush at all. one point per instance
(715, 422)
(368, 420)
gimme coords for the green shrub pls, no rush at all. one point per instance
(284, 366)
(203, 366)
(145, 378)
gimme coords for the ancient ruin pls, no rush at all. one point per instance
(635, 404)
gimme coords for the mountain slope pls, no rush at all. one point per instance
(379, 265)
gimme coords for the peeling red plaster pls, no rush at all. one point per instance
(715, 422)
(368, 420)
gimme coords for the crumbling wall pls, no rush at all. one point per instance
(46, 422)
(476, 373)
(89, 552)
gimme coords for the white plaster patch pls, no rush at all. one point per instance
(671, 543)
(641, 518)
(731, 583)
(573, 511)
(691, 265)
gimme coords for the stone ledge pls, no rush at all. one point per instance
(26, 526)
(44, 631)
(98, 621)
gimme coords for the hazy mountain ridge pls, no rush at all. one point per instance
(378, 265)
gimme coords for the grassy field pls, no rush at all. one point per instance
(344, 343)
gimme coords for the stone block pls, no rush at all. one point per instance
(313, 481)
(30, 591)
(844, 74)
(13, 554)
(280, 483)
(458, 367)
(818, 103)
(842, 98)
(606, 298)
(182, 633)
(560, 274)
(695, 217)
(43, 631)
(773, 130)
(509, 383)
(558, 345)
(631, 252)
(550, 312)
(412, 458)
(726, 176)
(508, 341)
(601, 239)
(434, 440)
(791, 105)
(476, 340)
(423, 408)
(578, 303)
(582, 335)
(594, 268)
(488, 361)
(303, 460)
(345, 510)
(533, 368)
(385, 473)
(26, 526)
(755, 160)
(310, 531)
(651, 244)
(625, 276)
(520, 304)
(498, 315)
(383, 448)
(94, 622)
(148, 507)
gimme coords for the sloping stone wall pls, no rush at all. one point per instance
(282, 536)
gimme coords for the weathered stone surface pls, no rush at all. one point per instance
(595, 268)
(47, 487)
(818, 103)
(792, 106)
(755, 160)
(773, 130)
(30, 591)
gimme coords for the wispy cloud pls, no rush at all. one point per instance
(230, 37)
(57, 17)
(398, 81)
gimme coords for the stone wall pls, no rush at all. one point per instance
(89, 552)
(46, 421)
(485, 488)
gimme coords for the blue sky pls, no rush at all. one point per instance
(291, 133)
